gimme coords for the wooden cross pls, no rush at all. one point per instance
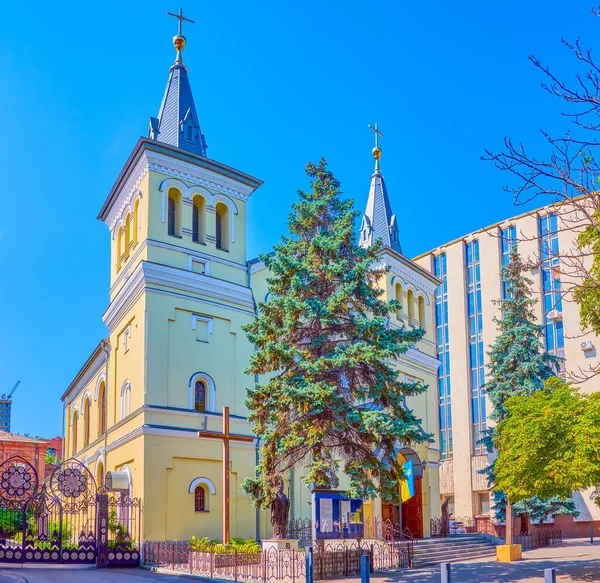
(226, 437)
(181, 18)
(377, 133)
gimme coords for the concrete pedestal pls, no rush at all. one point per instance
(280, 544)
(508, 553)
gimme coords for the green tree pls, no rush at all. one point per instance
(549, 443)
(518, 365)
(335, 400)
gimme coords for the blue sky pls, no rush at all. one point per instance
(276, 84)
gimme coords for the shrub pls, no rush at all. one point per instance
(237, 545)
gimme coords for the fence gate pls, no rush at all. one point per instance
(49, 522)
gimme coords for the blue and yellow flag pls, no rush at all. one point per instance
(407, 486)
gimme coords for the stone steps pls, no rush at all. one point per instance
(431, 552)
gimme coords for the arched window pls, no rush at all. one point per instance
(74, 433)
(125, 399)
(136, 221)
(172, 217)
(101, 409)
(200, 499)
(200, 396)
(87, 411)
(422, 312)
(119, 247)
(127, 235)
(410, 300)
(174, 214)
(100, 474)
(399, 297)
(222, 224)
(199, 220)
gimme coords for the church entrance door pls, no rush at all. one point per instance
(412, 511)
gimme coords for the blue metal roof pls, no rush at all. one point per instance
(379, 221)
(177, 123)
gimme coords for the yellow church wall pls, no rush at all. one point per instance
(176, 351)
(174, 463)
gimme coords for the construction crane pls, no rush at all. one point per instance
(4, 397)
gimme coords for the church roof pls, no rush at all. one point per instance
(379, 221)
(177, 123)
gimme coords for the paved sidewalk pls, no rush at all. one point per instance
(574, 561)
(19, 574)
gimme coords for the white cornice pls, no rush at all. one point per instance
(198, 254)
(201, 256)
(198, 176)
(127, 192)
(420, 359)
(93, 368)
(147, 274)
(418, 276)
(179, 169)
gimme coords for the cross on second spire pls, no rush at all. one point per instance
(181, 18)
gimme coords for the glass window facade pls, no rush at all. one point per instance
(551, 288)
(476, 349)
(508, 238)
(5, 416)
(443, 354)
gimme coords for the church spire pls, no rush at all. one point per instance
(177, 123)
(378, 220)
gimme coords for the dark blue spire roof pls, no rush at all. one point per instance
(378, 220)
(177, 123)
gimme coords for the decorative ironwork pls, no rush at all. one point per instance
(123, 530)
(71, 480)
(57, 522)
(18, 480)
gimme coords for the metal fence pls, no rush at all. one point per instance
(330, 560)
(538, 538)
(535, 538)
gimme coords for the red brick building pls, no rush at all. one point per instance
(30, 449)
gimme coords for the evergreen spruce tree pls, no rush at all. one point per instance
(518, 365)
(335, 400)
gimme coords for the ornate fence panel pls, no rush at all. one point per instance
(52, 523)
(124, 521)
(57, 521)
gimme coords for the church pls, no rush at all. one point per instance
(145, 407)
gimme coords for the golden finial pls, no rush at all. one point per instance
(376, 149)
(179, 39)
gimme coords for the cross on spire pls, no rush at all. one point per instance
(181, 18)
(376, 150)
(377, 134)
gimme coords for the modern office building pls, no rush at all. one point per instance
(5, 410)
(469, 268)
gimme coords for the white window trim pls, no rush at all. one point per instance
(194, 259)
(125, 392)
(200, 481)
(202, 376)
(197, 318)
